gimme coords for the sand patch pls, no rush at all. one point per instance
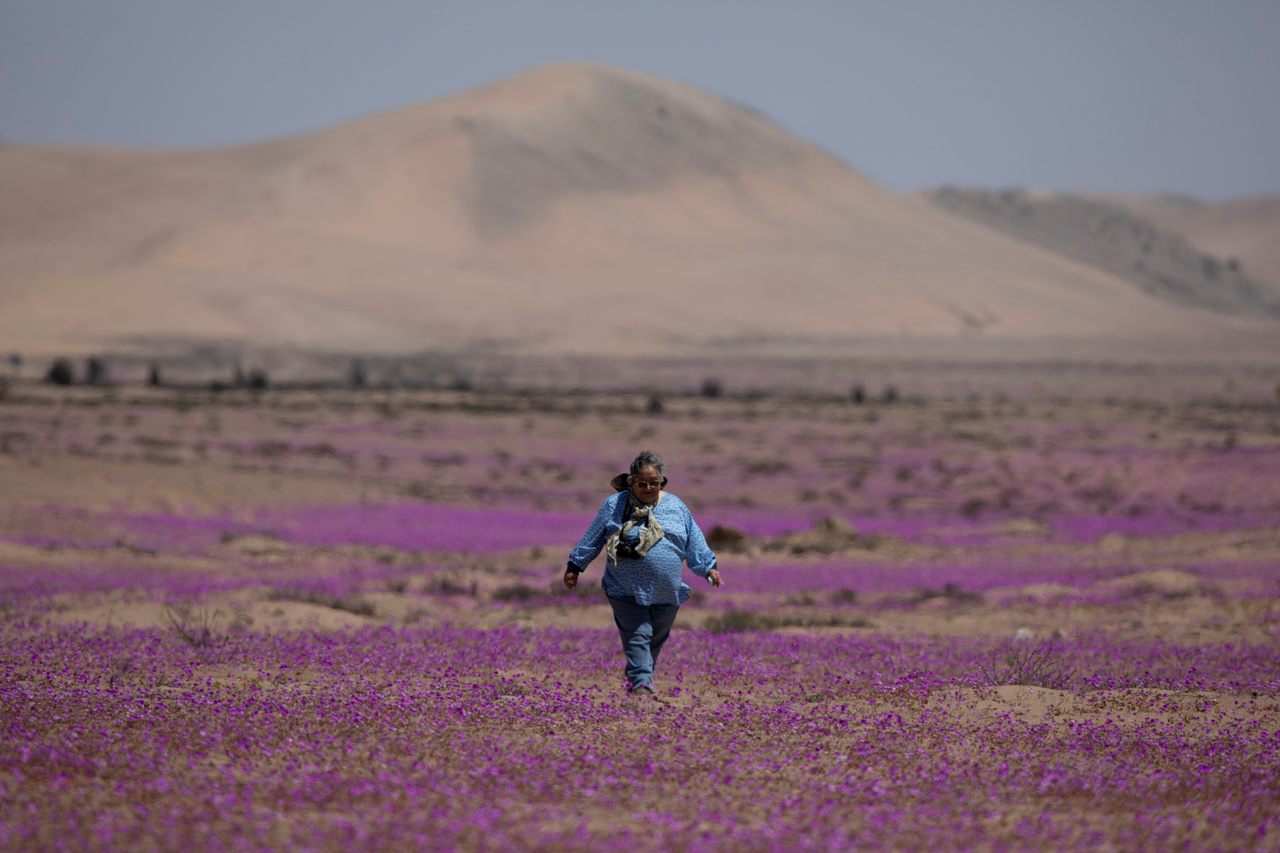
(1168, 582)
(1131, 707)
(259, 547)
(1040, 593)
(1019, 528)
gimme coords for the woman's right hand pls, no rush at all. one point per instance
(570, 579)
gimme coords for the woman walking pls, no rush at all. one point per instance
(646, 533)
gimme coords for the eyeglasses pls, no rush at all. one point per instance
(647, 484)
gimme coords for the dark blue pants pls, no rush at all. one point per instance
(644, 630)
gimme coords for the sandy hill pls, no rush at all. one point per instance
(1120, 239)
(573, 208)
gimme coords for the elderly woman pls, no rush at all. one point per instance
(646, 533)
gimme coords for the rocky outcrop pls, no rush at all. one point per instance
(1113, 239)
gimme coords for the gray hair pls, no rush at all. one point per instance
(646, 459)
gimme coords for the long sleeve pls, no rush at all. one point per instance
(592, 542)
(698, 555)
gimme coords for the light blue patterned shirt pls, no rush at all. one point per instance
(655, 577)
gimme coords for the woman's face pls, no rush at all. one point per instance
(646, 485)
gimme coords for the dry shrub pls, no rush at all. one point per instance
(199, 629)
(1019, 663)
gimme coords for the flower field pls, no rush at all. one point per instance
(329, 621)
(456, 738)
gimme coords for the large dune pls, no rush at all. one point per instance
(573, 208)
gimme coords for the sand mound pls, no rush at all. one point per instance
(1026, 528)
(1037, 592)
(258, 546)
(1168, 582)
(829, 535)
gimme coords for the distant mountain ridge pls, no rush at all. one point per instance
(1246, 228)
(571, 209)
(1111, 237)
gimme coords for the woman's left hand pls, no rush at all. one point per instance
(714, 577)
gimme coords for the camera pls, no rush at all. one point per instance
(627, 551)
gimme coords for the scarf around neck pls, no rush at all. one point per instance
(650, 533)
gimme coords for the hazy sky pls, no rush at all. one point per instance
(1128, 95)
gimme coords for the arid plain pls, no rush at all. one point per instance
(1018, 618)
